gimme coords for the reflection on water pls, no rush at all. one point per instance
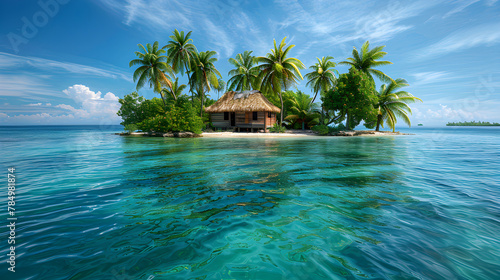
(328, 208)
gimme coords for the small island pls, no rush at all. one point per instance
(258, 96)
(473, 123)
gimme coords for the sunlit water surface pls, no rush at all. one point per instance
(93, 205)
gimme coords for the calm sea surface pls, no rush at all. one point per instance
(93, 205)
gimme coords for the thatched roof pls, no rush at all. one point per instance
(242, 101)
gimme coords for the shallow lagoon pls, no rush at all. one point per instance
(92, 205)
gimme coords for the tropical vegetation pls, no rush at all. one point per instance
(472, 123)
(322, 78)
(345, 100)
(393, 103)
(245, 75)
(153, 68)
(353, 98)
(367, 60)
(302, 111)
(277, 71)
(204, 75)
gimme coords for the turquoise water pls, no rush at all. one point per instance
(92, 205)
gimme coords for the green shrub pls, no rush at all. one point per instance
(321, 129)
(135, 109)
(176, 119)
(277, 128)
(340, 127)
(327, 130)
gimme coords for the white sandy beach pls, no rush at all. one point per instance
(254, 135)
(293, 134)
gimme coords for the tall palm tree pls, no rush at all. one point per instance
(322, 78)
(367, 60)
(153, 68)
(204, 74)
(175, 90)
(221, 87)
(392, 103)
(303, 110)
(180, 52)
(244, 77)
(278, 71)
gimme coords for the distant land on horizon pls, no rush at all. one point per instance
(473, 123)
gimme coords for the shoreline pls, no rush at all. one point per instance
(287, 134)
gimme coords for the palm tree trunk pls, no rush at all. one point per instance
(303, 121)
(379, 121)
(282, 109)
(162, 98)
(189, 81)
(201, 107)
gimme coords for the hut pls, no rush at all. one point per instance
(248, 110)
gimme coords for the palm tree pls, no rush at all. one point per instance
(221, 87)
(303, 110)
(392, 103)
(175, 90)
(278, 71)
(180, 52)
(367, 60)
(204, 74)
(322, 78)
(153, 68)
(244, 77)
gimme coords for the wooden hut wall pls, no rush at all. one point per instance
(218, 120)
(270, 121)
(243, 118)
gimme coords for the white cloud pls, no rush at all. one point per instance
(92, 108)
(440, 114)
(92, 104)
(35, 104)
(82, 94)
(484, 35)
(40, 118)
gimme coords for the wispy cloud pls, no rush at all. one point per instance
(8, 62)
(483, 35)
(423, 78)
(461, 6)
(164, 16)
(27, 86)
(218, 38)
(351, 21)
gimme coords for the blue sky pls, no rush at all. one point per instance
(66, 61)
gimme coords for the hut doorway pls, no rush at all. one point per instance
(233, 119)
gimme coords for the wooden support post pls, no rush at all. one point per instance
(265, 122)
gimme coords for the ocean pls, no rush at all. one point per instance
(93, 205)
